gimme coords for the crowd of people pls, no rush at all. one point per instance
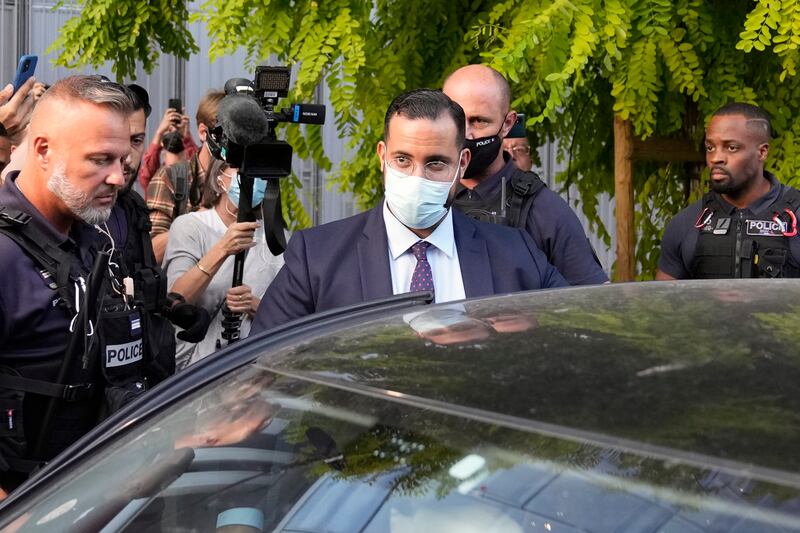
(107, 292)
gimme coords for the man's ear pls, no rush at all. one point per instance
(42, 151)
(466, 156)
(381, 151)
(763, 150)
(508, 123)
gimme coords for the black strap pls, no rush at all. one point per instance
(272, 216)
(179, 175)
(69, 393)
(525, 185)
(149, 280)
(50, 257)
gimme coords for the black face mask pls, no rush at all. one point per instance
(484, 151)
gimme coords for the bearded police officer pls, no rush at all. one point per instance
(70, 335)
(746, 226)
(493, 189)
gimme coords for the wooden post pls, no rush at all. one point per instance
(623, 194)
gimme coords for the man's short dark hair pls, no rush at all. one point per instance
(141, 100)
(428, 104)
(757, 119)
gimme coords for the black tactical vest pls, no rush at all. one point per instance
(128, 349)
(27, 386)
(150, 284)
(746, 246)
(519, 193)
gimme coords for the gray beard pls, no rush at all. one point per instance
(78, 202)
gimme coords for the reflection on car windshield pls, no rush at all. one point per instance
(274, 453)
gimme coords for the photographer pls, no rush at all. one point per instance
(199, 259)
(178, 189)
(173, 121)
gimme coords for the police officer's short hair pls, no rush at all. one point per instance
(92, 89)
(141, 99)
(760, 118)
(428, 104)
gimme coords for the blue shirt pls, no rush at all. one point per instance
(680, 237)
(554, 228)
(34, 321)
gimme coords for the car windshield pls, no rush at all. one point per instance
(274, 452)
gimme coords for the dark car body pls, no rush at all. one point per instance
(649, 407)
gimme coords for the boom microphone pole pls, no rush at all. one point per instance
(232, 322)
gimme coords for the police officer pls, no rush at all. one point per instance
(492, 177)
(746, 226)
(54, 285)
(129, 227)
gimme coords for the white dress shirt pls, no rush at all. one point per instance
(442, 256)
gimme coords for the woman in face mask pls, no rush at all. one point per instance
(199, 259)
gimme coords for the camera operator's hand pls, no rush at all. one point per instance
(238, 237)
(15, 111)
(241, 300)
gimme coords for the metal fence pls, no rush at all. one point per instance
(30, 26)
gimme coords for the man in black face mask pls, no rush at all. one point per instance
(494, 190)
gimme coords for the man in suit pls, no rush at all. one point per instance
(413, 240)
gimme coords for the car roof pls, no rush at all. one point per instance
(702, 367)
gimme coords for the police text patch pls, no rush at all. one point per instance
(123, 354)
(766, 228)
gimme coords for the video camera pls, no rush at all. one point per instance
(245, 138)
(236, 140)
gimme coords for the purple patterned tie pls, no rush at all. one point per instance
(422, 279)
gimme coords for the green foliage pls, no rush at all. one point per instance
(665, 65)
(128, 32)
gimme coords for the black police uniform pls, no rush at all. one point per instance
(38, 306)
(545, 216)
(713, 239)
(129, 225)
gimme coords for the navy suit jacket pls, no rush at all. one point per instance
(347, 262)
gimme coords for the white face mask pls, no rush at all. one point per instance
(417, 202)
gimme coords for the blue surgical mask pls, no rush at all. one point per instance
(259, 188)
(417, 202)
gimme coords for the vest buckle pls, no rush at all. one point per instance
(17, 217)
(74, 393)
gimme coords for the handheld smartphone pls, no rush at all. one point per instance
(25, 69)
(176, 104)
